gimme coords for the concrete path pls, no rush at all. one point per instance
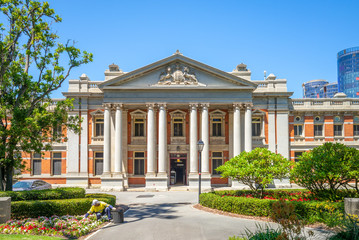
(170, 215)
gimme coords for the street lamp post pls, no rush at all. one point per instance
(200, 145)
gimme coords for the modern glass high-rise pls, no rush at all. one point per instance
(348, 71)
(319, 88)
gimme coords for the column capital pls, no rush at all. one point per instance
(107, 106)
(239, 106)
(162, 106)
(204, 106)
(193, 106)
(118, 106)
(151, 106)
(248, 105)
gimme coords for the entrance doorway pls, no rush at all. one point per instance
(178, 168)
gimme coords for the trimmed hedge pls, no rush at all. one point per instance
(48, 194)
(310, 211)
(48, 208)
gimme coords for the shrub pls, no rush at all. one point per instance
(329, 213)
(47, 208)
(328, 168)
(57, 193)
(350, 229)
(256, 168)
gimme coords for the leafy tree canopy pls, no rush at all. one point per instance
(256, 168)
(31, 68)
(328, 168)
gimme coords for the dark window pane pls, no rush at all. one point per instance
(256, 129)
(37, 155)
(356, 130)
(36, 167)
(98, 166)
(99, 129)
(139, 154)
(56, 155)
(297, 155)
(217, 154)
(139, 129)
(216, 163)
(178, 129)
(318, 130)
(217, 129)
(298, 130)
(57, 167)
(99, 155)
(338, 130)
(139, 167)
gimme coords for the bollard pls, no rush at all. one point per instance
(351, 206)
(117, 215)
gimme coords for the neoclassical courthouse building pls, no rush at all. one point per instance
(141, 128)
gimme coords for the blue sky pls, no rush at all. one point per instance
(296, 40)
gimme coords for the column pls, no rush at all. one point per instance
(205, 138)
(283, 134)
(150, 139)
(193, 139)
(118, 139)
(236, 129)
(271, 131)
(107, 141)
(162, 139)
(248, 128)
(72, 162)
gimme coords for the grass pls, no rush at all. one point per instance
(27, 237)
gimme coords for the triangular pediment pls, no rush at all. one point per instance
(177, 71)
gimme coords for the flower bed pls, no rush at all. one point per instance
(244, 202)
(67, 226)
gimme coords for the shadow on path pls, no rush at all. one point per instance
(138, 212)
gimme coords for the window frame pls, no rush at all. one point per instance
(296, 157)
(322, 126)
(33, 158)
(140, 115)
(52, 163)
(94, 162)
(213, 158)
(178, 114)
(217, 114)
(139, 159)
(356, 132)
(181, 121)
(139, 121)
(295, 128)
(257, 122)
(96, 134)
(335, 131)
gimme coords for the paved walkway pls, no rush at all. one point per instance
(170, 215)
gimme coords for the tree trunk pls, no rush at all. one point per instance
(1, 179)
(9, 175)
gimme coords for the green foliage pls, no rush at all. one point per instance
(30, 70)
(48, 208)
(330, 213)
(256, 168)
(327, 169)
(48, 194)
(350, 229)
(266, 233)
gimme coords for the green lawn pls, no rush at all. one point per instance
(27, 237)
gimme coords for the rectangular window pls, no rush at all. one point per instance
(318, 130)
(139, 163)
(99, 127)
(178, 127)
(338, 130)
(297, 155)
(36, 164)
(216, 127)
(57, 131)
(139, 127)
(217, 160)
(98, 163)
(356, 130)
(256, 127)
(298, 130)
(56, 163)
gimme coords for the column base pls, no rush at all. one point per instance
(112, 183)
(77, 180)
(157, 182)
(193, 182)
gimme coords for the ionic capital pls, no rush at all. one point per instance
(193, 106)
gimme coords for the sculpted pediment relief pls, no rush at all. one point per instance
(178, 74)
